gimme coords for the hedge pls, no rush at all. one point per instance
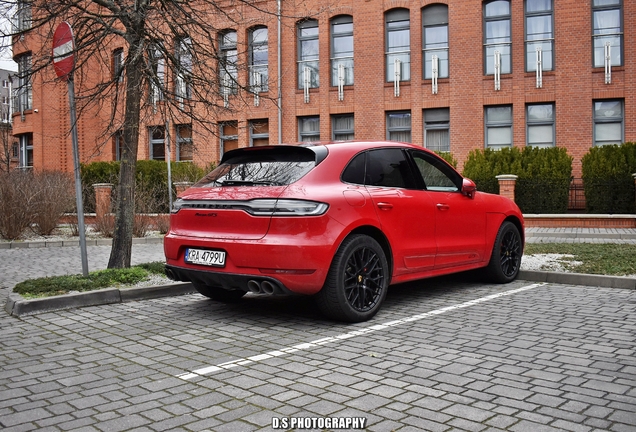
(151, 181)
(607, 179)
(544, 175)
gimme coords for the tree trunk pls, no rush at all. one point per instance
(120, 254)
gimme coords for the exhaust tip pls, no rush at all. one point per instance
(170, 274)
(254, 287)
(268, 287)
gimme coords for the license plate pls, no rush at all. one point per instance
(205, 257)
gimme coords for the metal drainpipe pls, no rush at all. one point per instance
(280, 81)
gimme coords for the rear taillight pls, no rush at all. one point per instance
(258, 207)
(285, 207)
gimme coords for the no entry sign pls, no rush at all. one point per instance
(63, 46)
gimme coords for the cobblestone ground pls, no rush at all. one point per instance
(443, 354)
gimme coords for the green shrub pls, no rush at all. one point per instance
(483, 165)
(448, 157)
(151, 182)
(607, 179)
(56, 285)
(544, 182)
(544, 175)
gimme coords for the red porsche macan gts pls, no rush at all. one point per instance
(340, 221)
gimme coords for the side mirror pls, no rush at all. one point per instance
(468, 188)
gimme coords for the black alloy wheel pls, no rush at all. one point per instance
(357, 282)
(507, 251)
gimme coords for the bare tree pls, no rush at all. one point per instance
(6, 146)
(171, 67)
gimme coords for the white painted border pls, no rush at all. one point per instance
(327, 340)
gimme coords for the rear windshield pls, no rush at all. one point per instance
(268, 166)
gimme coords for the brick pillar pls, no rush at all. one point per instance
(507, 185)
(102, 198)
(182, 186)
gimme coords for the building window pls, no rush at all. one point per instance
(118, 64)
(26, 150)
(22, 17)
(258, 60)
(24, 92)
(498, 127)
(608, 28)
(184, 68)
(158, 77)
(259, 133)
(435, 39)
(15, 150)
(398, 45)
(497, 35)
(539, 34)
(608, 122)
(157, 143)
(398, 126)
(309, 128)
(342, 127)
(308, 53)
(342, 49)
(540, 125)
(437, 129)
(5, 83)
(228, 63)
(185, 147)
(229, 136)
(118, 145)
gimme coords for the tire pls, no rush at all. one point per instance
(357, 282)
(505, 260)
(219, 294)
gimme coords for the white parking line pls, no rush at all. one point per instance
(326, 340)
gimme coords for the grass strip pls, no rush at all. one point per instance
(58, 285)
(596, 258)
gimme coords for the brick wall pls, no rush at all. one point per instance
(572, 86)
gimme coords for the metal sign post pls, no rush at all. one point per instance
(64, 63)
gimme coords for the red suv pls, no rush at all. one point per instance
(340, 221)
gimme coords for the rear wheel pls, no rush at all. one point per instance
(357, 281)
(219, 294)
(505, 260)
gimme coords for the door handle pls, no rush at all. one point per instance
(441, 206)
(385, 206)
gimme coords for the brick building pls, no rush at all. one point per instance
(450, 75)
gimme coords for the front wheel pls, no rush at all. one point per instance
(505, 260)
(219, 294)
(357, 282)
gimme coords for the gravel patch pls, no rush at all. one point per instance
(549, 262)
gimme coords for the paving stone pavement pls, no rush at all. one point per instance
(446, 354)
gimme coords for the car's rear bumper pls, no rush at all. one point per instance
(230, 281)
(282, 268)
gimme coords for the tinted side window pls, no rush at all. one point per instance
(436, 174)
(388, 167)
(354, 172)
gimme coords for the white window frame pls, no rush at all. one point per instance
(530, 123)
(506, 61)
(490, 123)
(608, 119)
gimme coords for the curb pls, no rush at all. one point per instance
(18, 306)
(622, 282)
(74, 242)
